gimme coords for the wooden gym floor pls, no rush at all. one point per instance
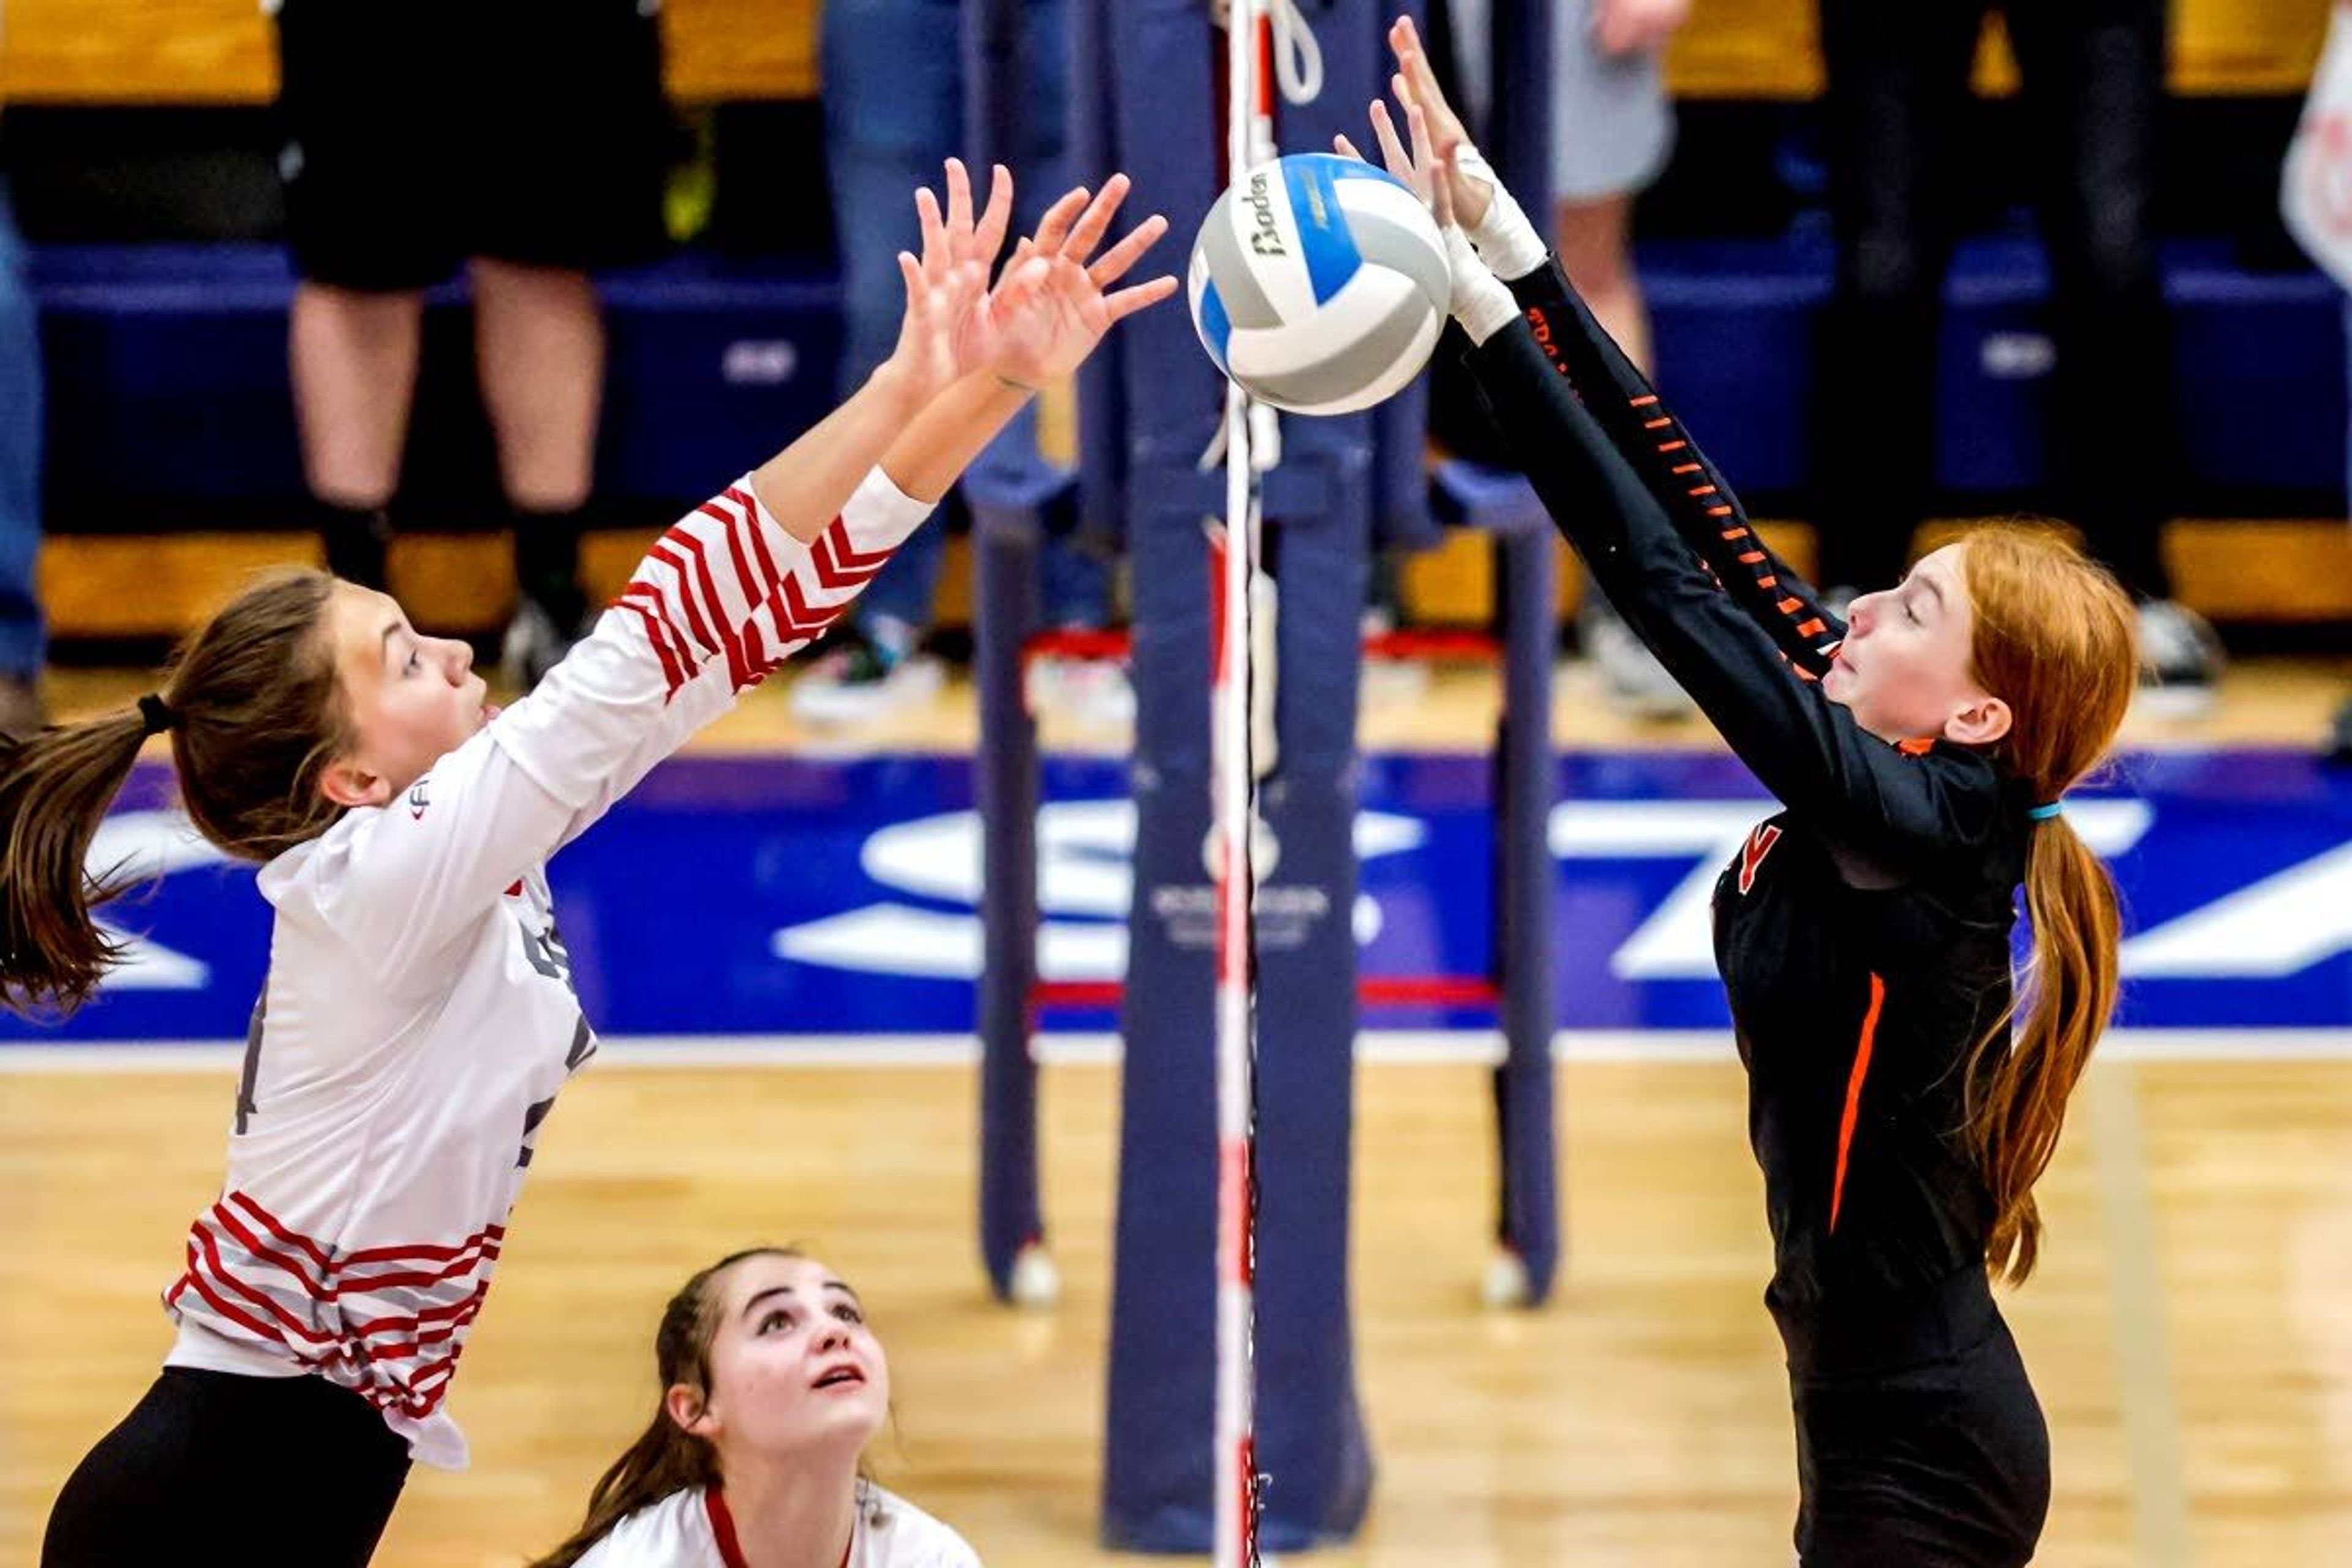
(2190, 1331)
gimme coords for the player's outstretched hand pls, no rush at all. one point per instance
(1425, 169)
(1416, 85)
(1056, 300)
(945, 330)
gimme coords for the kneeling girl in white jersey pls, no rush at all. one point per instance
(772, 1385)
(418, 1018)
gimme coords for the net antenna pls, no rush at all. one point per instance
(1267, 42)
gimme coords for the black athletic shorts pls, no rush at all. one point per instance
(421, 133)
(298, 1472)
(1919, 1440)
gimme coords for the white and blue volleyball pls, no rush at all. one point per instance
(1320, 284)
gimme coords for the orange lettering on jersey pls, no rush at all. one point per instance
(1751, 853)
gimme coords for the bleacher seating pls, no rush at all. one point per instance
(217, 51)
(169, 400)
(169, 396)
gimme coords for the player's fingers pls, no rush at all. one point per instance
(1127, 301)
(959, 199)
(1392, 150)
(1114, 263)
(935, 238)
(1091, 228)
(1054, 229)
(996, 220)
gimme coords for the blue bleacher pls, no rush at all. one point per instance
(167, 371)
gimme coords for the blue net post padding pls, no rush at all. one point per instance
(1505, 505)
(1151, 75)
(1009, 492)
(1518, 139)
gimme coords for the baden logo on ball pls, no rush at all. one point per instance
(1318, 284)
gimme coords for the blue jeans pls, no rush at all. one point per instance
(23, 636)
(894, 112)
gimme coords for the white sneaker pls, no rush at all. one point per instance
(1636, 684)
(2180, 661)
(1093, 692)
(854, 684)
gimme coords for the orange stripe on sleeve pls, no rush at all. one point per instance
(1687, 468)
(1811, 628)
(1672, 447)
(1853, 1096)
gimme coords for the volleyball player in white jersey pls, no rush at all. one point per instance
(772, 1385)
(418, 1016)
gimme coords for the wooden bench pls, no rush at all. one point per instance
(219, 51)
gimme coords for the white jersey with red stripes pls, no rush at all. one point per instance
(418, 1018)
(692, 1528)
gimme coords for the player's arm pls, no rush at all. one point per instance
(1695, 497)
(1889, 804)
(751, 575)
(808, 553)
(1694, 494)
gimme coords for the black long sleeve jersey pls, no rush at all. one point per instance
(1863, 932)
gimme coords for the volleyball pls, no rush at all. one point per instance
(1318, 284)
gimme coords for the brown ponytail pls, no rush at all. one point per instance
(2054, 638)
(2064, 1006)
(666, 1458)
(255, 713)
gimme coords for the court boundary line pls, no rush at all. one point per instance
(1375, 1048)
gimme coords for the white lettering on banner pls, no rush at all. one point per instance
(1086, 853)
(2281, 925)
(137, 847)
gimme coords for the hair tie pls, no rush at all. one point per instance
(157, 715)
(2044, 812)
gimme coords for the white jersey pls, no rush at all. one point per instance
(691, 1528)
(418, 1018)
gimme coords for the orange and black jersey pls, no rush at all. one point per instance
(1863, 932)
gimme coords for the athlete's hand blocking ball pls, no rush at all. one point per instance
(1415, 84)
(1479, 299)
(1056, 300)
(1423, 170)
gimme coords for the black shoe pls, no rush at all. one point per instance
(358, 541)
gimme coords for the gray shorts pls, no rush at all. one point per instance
(1612, 123)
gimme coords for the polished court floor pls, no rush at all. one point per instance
(2190, 1331)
